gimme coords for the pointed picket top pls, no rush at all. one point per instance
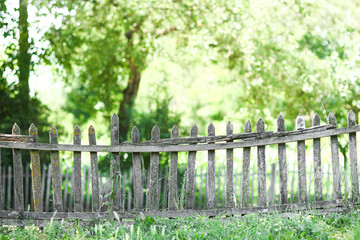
(280, 123)
(77, 131)
(194, 131)
(114, 118)
(260, 125)
(332, 119)
(229, 128)
(300, 122)
(135, 135)
(33, 132)
(155, 133)
(15, 129)
(351, 118)
(175, 132)
(211, 130)
(91, 129)
(316, 120)
(53, 130)
(247, 127)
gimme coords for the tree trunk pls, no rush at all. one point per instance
(24, 56)
(128, 101)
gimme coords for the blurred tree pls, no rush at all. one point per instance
(16, 104)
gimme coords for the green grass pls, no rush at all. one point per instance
(252, 226)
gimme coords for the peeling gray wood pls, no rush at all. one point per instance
(18, 174)
(35, 172)
(16, 138)
(211, 172)
(138, 148)
(230, 199)
(190, 174)
(173, 188)
(354, 175)
(77, 187)
(154, 171)
(245, 177)
(317, 163)
(282, 163)
(94, 172)
(316, 207)
(56, 171)
(335, 160)
(115, 165)
(137, 182)
(301, 157)
(261, 162)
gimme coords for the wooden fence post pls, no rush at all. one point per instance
(115, 165)
(335, 160)
(173, 188)
(211, 171)
(260, 128)
(300, 124)
(230, 198)
(56, 171)
(245, 176)
(154, 172)
(94, 172)
(282, 163)
(77, 186)
(35, 172)
(18, 174)
(190, 174)
(317, 162)
(353, 159)
(138, 187)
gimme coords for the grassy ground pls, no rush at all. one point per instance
(249, 227)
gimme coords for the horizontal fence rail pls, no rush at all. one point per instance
(212, 191)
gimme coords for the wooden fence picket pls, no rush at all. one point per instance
(317, 163)
(137, 182)
(230, 203)
(173, 168)
(335, 160)
(300, 124)
(354, 176)
(154, 173)
(94, 172)
(36, 172)
(210, 178)
(190, 174)
(260, 128)
(78, 187)
(18, 174)
(115, 165)
(56, 171)
(283, 172)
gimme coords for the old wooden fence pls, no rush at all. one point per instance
(146, 199)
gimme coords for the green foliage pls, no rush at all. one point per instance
(248, 227)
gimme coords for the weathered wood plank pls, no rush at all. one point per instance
(35, 172)
(335, 160)
(137, 182)
(261, 162)
(16, 138)
(317, 163)
(154, 172)
(77, 187)
(190, 174)
(230, 201)
(18, 174)
(56, 171)
(354, 176)
(173, 168)
(283, 172)
(154, 147)
(245, 176)
(94, 172)
(211, 172)
(301, 157)
(115, 165)
(326, 206)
